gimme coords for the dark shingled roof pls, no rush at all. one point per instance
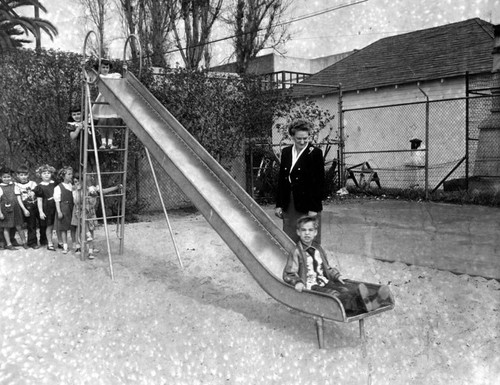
(434, 53)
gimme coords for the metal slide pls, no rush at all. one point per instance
(248, 231)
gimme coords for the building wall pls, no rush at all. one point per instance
(383, 134)
(320, 63)
(275, 63)
(260, 65)
(291, 64)
(405, 93)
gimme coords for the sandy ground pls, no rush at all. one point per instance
(64, 321)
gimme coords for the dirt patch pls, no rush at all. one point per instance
(64, 321)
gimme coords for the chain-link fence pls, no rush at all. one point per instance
(426, 146)
(172, 195)
(142, 190)
(439, 144)
(408, 146)
(483, 130)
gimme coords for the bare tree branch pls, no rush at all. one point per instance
(248, 19)
(95, 11)
(198, 18)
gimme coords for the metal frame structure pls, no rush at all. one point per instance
(249, 232)
(245, 227)
(92, 78)
(89, 126)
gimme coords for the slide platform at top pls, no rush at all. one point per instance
(248, 231)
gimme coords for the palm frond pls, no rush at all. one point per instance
(12, 24)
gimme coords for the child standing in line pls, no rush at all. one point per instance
(307, 268)
(12, 233)
(75, 215)
(63, 197)
(2, 239)
(46, 204)
(103, 112)
(28, 204)
(10, 210)
(91, 203)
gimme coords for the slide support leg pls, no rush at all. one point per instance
(362, 334)
(319, 330)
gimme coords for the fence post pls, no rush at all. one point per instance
(426, 143)
(427, 107)
(467, 130)
(250, 149)
(341, 162)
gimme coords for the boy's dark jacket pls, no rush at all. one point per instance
(307, 180)
(296, 268)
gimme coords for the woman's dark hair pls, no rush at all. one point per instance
(299, 125)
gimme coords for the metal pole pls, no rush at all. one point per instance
(81, 155)
(426, 143)
(124, 191)
(320, 332)
(427, 106)
(99, 182)
(341, 165)
(467, 128)
(250, 149)
(84, 135)
(83, 175)
(164, 209)
(362, 333)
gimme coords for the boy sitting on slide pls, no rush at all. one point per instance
(307, 268)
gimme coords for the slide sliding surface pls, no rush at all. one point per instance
(248, 231)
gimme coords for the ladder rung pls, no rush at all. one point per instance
(99, 218)
(109, 150)
(106, 126)
(107, 195)
(107, 173)
(113, 195)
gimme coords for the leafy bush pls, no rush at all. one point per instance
(38, 91)
(220, 112)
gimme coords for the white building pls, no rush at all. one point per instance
(409, 68)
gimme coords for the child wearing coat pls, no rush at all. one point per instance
(307, 268)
